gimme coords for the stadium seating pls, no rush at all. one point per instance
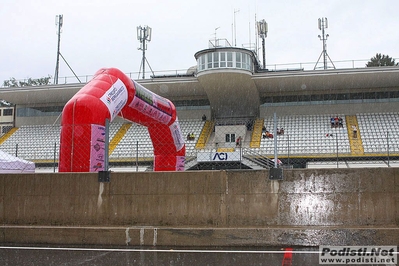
(379, 131)
(138, 136)
(191, 126)
(136, 142)
(305, 135)
(35, 142)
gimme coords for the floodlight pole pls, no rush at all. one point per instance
(59, 24)
(143, 35)
(262, 32)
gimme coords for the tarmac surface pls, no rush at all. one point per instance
(115, 256)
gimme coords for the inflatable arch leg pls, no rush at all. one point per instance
(108, 94)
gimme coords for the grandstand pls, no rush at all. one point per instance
(306, 138)
(136, 140)
(379, 132)
(38, 143)
(307, 134)
(238, 98)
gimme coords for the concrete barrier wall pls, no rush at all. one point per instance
(306, 197)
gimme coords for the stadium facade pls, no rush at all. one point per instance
(229, 87)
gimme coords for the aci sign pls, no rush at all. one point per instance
(218, 156)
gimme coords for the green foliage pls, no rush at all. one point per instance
(381, 60)
(12, 82)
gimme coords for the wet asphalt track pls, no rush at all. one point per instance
(106, 256)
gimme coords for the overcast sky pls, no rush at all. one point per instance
(102, 33)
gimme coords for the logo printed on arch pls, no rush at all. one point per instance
(115, 98)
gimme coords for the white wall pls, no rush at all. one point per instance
(221, 131)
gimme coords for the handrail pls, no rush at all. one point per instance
(342, 64)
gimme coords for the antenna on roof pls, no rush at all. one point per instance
(59, 20)
(235, 34)
(58, 23)
(216, 40)
(323, 24)
(143, 35)
(262, 32)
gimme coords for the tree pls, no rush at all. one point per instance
(381, 60)
(12, 82)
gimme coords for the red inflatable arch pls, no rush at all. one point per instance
(108, 94)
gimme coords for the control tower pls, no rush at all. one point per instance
(225, 72)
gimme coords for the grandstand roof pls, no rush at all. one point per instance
(360, 79)
(267, 83)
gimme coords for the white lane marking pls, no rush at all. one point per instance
(163, 250)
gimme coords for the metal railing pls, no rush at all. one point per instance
(383, 152)
(342, 64)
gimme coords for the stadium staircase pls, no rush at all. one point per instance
(205, 134)
(356, 144)
(256, 133)
(7, 135)
(118, 137)
(255, 160)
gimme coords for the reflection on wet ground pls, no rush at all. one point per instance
(115, 256)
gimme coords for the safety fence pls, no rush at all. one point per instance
(130, 147)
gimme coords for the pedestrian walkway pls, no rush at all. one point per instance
(205, 134)
(355, 140)
(118, 136)
(256, 133)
